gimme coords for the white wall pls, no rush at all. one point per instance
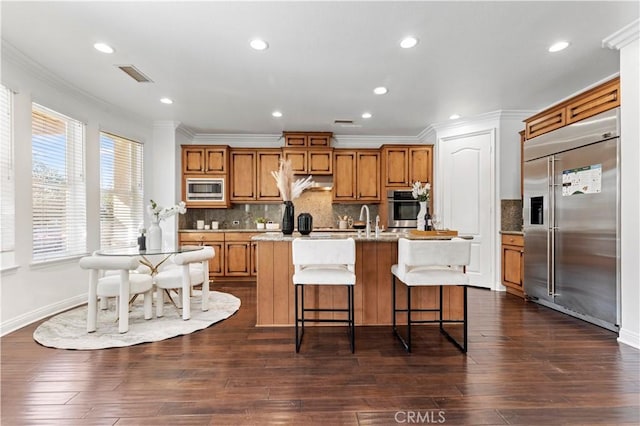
(626, 40)
(30, 292)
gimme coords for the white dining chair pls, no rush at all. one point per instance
(192, 269)
(431, 263)
(121, 285)
(322, 263)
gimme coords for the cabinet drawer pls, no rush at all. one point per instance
(239, 236)
(198, 237)
(513, 240)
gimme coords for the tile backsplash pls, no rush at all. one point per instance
(317, 203)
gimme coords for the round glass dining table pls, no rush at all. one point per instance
(150, 258)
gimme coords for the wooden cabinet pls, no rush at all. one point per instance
(594, 101)
(243, 175)
(213, 239)
(268, 160)
(251, 178)
(310, 161)
(513, 263)
(404, 165)
(198, 159)
(307, 139)
(239, 254)
(356, 175)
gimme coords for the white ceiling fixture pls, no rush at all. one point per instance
(454, 116)
(276, 114)
(103, 47)
(380, 90)
(258, 44)
(167, 101)
(408, 42)
(558, 46)
(366, 115)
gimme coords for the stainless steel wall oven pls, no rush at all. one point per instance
(403, 210)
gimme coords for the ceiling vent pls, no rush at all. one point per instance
(135, 73)
(342, 121)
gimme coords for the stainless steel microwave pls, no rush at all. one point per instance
(204, 189)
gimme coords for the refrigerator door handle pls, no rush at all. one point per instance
(551, 228)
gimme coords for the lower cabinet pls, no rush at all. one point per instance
(235, 252)
(513, 263)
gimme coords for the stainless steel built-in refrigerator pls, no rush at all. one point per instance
(571, 219)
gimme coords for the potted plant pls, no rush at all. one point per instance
(260, 222)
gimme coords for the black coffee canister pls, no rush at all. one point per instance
(305, 223)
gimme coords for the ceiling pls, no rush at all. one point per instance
(323, 60)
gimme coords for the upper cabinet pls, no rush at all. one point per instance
(199, 160)
(404, 165)
(307, 139)
(251, 178)
(356, 175)
(316, 161)
(594, 101)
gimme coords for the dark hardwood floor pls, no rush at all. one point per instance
(526, 365)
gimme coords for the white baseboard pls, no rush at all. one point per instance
(44, 312)
(629, 338)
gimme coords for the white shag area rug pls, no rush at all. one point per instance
(68, 330)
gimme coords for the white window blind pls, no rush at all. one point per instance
(7, 186)
(58, 185)
(121, 191)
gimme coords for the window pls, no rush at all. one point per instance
(121, 191)
(7, 186)
(58, 185)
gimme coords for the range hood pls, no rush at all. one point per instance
(322, 183)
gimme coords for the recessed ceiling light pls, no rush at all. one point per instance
(408, 42)
(380, 90)
(103, 47)
(366, 115)
(561, 45)
(454, 116)
(276, 114)
(258, 44)
(167, 101)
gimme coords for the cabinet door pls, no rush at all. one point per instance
(216, 160)
(268, 161)
(213, 239)
(237, 258)
(420, 165)
(594, 102)
(295, 139)
(298, 158)
(512, 266)
(320, 139)
(243, 175)
(546, 122)
(368, 175)
(344, 182)
(193, 160)
(320, 162)
(396, 167)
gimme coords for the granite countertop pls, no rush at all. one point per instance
(511, 232)
(332, 230)
(384, 236)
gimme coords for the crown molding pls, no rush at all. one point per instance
(623, 36)
(372, 141)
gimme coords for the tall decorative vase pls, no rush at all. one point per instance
(154, 236)
(422, 222)
(287, 218)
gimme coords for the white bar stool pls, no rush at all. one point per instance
(324, 262)
(431, 263)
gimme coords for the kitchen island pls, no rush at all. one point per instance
(374, 257)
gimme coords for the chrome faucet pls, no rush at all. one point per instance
(368, 222)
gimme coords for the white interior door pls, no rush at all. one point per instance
(467, 198)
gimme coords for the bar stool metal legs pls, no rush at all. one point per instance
(300, 315)
(406, 341)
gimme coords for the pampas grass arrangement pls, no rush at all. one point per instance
(290, 189)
